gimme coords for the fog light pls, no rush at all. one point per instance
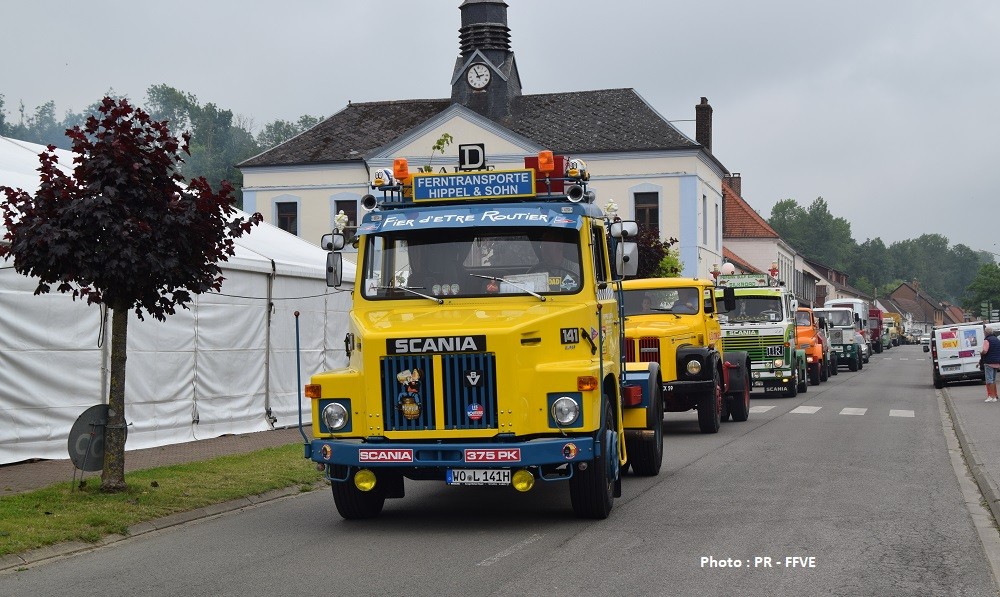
(565, 410)
(335, 416)
(693, 367)
(364, 480)
(522, 480)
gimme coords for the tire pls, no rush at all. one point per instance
(814, 374)
(824, 370)
(709, 418)
(740, 405)
(854, 364)
(592, 491)
(835, 365)
(645, 453)
(802, 376)
(352, 503)
(938, 382)
(793, 387)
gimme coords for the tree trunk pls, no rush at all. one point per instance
(113, 475)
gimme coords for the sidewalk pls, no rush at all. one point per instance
(978, 434)
(26, 476)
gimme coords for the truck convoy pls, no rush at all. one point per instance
(762, 324)
(485, 342)
(673, 350)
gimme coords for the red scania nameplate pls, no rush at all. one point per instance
(385, 455)
(493, 455)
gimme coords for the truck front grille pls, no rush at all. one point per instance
(642, 350)
(755, 346)
(468, 381)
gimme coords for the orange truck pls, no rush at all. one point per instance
(809, 338)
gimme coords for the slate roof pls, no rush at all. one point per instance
(739, 220)
(607, 120)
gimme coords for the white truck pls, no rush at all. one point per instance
(860, 308)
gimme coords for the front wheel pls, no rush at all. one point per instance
(352, 503)
(709, 415)
(740, 405)
(645, 451)
(814, 374)
(591, 491)
(835, 364)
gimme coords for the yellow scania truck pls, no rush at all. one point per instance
(485, 339)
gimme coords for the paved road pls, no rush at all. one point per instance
(854, 480)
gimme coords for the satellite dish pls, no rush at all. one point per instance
(86, 439)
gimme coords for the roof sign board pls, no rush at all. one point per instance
(744, 280)
(494, 184)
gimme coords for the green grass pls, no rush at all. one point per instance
(60, 513)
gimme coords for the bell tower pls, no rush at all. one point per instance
(485, 77)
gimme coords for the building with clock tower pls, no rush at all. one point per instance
(651, 171)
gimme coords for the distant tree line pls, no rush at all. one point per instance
(944, 272)
(219, 139)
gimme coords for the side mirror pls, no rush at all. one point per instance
(334, 269)
(729, 298)
(821, 322)
(627, 258)
(627, 229)
(332, 242)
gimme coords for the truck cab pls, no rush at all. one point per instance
(845, 342)
(485, 340)
(762, 324)
(673, 349)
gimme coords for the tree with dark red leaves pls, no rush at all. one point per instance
(124, 231)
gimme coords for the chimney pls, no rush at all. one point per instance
(703, 124)
(735, 183)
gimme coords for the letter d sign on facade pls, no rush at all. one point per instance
(472, 156)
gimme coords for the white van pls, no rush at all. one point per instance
(955, 352)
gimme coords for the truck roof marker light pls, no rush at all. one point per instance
(546, 162)
(400, 169)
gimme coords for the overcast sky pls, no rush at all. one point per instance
(886, 109)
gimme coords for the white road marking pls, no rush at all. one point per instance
(509, 551)
(853, 411)
(901, 413)
(904, 358)
(760, 409)
(805, 410)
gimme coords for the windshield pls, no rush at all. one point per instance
(802, 318)
(841, 319)
(756, 309)
(471, 262)
(680, 301)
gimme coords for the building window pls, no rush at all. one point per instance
(647, 209)
(350, 209)
(704, 220)
(287, 217)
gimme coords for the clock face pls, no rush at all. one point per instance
(478, 76)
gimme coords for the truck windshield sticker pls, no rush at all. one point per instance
(462, 217)
(436, 344)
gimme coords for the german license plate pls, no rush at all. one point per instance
(950, 367)
(478, 476)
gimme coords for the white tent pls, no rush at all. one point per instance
(226, 365)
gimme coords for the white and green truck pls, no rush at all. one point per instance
(762, 324)
(844, 338)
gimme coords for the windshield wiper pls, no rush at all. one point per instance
(512, 283)
(412, 291)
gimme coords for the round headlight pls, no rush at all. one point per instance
(779, 363)
(693, 367)
(335, 416)
(565, 410)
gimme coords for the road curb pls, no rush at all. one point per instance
(34, 556)
(987, 485)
